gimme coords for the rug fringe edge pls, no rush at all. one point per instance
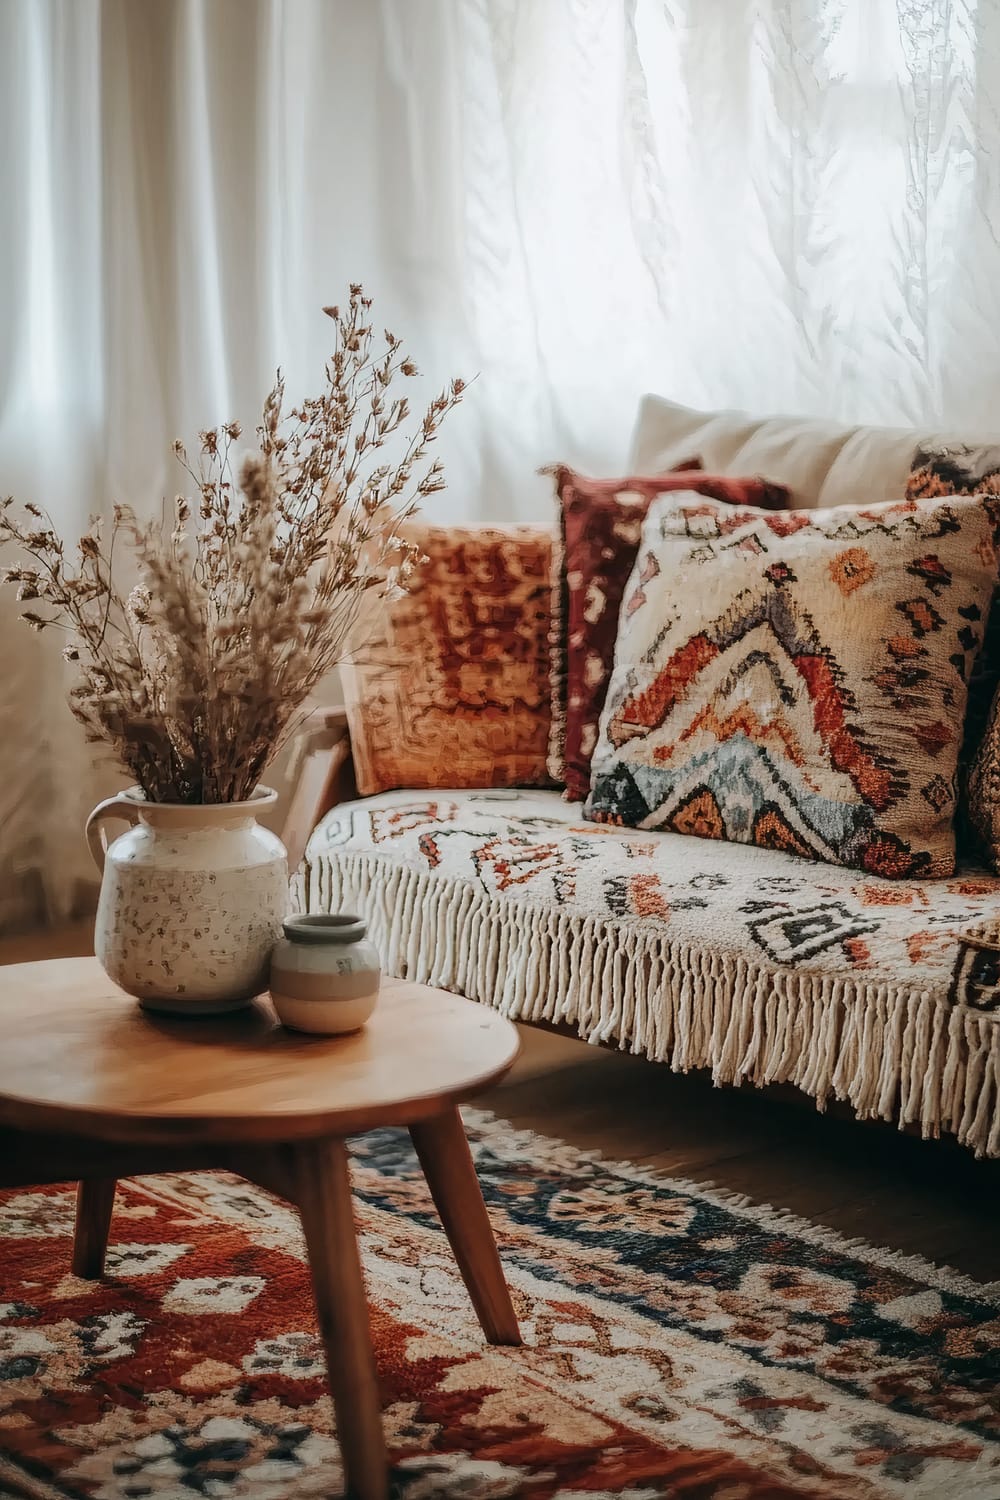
(514, 1139)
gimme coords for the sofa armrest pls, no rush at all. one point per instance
(321, 777)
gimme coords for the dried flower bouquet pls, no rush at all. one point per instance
(248, 596)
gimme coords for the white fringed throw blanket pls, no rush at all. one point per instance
(756, 964)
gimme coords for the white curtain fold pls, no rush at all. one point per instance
(778, 204)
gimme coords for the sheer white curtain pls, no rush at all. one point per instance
(781, 204)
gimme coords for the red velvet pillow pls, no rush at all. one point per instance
(600, 526)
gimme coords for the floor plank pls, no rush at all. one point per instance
(928, 1198)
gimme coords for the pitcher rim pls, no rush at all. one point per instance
(261, 797)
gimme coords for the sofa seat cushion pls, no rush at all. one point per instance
(753, 962)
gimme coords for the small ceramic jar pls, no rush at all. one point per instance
(324, 974)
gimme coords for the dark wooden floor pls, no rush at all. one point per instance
(927, 1198)
(921, 1197)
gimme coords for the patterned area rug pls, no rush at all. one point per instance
(677, 1344)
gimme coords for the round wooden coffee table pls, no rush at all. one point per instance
(92, 1089)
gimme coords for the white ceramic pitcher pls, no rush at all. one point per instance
(192, 901)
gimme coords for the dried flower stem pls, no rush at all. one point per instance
(250, 590)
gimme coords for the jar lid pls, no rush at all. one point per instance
(325, 927)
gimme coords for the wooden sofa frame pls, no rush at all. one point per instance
(322, 775)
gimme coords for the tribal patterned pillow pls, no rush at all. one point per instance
(957, 469)
(600, 524)
(456, 691)
(798, 680)
(964, 470)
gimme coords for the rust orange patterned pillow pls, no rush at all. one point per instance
(457, 692)
(600, 524)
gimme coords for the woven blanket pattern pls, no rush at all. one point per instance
(752, 962)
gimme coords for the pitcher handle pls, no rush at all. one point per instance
(97, 838)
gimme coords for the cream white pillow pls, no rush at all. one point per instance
(823, 463)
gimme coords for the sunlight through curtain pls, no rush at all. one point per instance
(779, 204)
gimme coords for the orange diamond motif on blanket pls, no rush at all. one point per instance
(852, 569)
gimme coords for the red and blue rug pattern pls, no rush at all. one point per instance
(677, 1344)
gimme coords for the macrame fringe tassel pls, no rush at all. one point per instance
(888, 1051)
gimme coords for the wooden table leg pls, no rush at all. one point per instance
(443, 1152)
(323, 1193)
(95, 1200)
